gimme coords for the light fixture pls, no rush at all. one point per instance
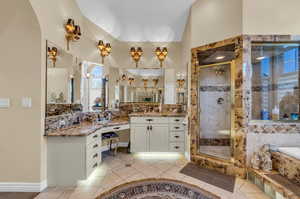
(105, 49)
(155, 81)
(161, 54)
(145, 80)
(180, 80)
(52, 53)
(73, 32)
(130, 80)
(220, 57)
(260, 58)
(88, 75)
(136, 54)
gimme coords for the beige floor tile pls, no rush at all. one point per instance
(113, 172)
(125, 172)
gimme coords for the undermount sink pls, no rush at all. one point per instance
(224, 132)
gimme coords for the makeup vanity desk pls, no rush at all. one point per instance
(73, 154)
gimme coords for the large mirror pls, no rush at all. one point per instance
(63, 80)
(141, 85)
(63, 76)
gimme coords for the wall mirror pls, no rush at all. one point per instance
(141, 85)
(63, 78)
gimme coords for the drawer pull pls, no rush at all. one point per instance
(176, 136)
(176, 127)
(176, 147)
(95, 136)
(95, 146)
(177, 120)
(116, 128)
(95, 165)
(95, 155)
(149, 120)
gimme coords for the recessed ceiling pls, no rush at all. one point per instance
(139, 20)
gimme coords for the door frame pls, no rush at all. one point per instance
(232, 106)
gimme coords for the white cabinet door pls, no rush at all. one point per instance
(139, 138)
(159, 138)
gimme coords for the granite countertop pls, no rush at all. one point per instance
(157, 114)
(87, 128)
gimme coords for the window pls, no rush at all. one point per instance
(290, 58)
(275, 81)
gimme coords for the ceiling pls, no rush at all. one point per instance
(139, 20)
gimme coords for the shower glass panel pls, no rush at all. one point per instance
(215, 109)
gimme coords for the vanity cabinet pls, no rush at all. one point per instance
(72, 158)
(157, 134)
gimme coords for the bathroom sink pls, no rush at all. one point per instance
(224, 132)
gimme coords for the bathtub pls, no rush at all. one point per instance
(290, 151)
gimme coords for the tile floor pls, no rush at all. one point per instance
(115, 171)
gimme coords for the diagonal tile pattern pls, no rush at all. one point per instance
(127, 167)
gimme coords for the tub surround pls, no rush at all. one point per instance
(287, 166)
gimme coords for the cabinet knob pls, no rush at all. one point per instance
(177, 120)
(95, 165)
(95, 146)
(116, 127)
(96, 155)
(176, 127)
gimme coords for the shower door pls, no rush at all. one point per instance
(216, 102)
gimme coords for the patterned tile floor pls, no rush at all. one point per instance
(115, 171)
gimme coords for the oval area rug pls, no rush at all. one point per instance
(157, 189)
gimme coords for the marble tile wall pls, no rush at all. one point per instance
(264, 132)
(237, 166)
(60, 109)
(287, 166)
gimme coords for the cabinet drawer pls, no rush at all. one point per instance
(176, 136)
(93, 146)
(176, 147)
(176, 127)
(176, 120)
(93, 137)
(92, 156)
(147, 120)
(114, 128)
(91, 167)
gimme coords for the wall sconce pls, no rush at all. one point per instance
(105, 49)
(155, 81)
(145, 83)
(136, 54)
(130, 80)
(52, 53)
(180, 80)
(161, 54)
(73, 32)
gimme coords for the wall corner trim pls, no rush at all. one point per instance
(22, 186)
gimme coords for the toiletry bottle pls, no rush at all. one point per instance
(275, 113)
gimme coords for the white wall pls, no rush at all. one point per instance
(215, 20)
(271, 17)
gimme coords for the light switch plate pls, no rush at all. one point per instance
(4, 102)
(26, 102)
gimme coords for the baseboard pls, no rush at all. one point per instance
(22, 187)
(121, 144)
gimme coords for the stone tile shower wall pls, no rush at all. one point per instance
(237, 166)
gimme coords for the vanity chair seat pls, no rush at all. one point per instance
(111, 138)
